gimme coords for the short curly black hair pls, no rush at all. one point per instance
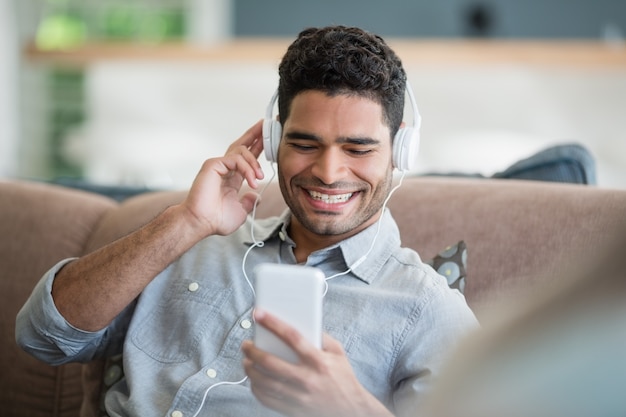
(343, 60)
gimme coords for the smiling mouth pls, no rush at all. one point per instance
(330, 198)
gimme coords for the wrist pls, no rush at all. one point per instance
(189, 228)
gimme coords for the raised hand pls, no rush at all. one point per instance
(107, 280)
(213, 200)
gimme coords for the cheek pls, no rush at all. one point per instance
(286, 166)
(289, 166)
(292, 163)
(380, 178)
(374, 170)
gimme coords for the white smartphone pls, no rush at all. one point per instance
(293, 293)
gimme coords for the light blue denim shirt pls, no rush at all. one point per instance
(394, 315)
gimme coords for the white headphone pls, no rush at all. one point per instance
(405, 143)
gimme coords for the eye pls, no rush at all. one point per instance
(302, 147)
(359, 151)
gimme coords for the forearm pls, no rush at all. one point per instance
(93, 290)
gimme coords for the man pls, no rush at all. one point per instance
(172, 296)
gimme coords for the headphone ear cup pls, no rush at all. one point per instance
(405, 148)
(272, 131)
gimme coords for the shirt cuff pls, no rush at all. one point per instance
(49, 334)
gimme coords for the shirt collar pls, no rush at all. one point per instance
(265, 229)
(352, 249)
(387, 239)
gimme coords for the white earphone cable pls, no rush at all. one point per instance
(379, 222)
(255, 243)
(217, 385)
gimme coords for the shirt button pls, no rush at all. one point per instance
(193, 286)
(177, 413)
(211, 373)
(246, 324)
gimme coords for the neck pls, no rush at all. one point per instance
(308, 242)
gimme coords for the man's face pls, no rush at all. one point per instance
(334, 163)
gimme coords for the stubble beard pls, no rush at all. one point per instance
(334, 223)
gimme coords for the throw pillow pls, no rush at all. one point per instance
(451, 263)
(572, 163)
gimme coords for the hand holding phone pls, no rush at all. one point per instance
(292, 293)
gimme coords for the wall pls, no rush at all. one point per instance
(152, 123)
(8, 83)
(441, 18)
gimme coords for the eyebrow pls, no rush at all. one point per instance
(351, 140)
(301, 135)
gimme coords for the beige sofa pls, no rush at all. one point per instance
(515, 231)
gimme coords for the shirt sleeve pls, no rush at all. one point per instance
(44, 333)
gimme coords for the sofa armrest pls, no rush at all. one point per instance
(40, 224)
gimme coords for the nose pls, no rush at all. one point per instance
(330, 166)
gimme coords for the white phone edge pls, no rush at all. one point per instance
(293, 293)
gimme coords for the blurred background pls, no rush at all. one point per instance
(139, 92)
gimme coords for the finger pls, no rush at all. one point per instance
(262, 366)
(251, 158)
(251, 138)
(265, 384)
(238, 164)
(255, 173)
(264, 362)
(330, 344)
(257, 146)
(275, 399)
(288, 334)
(274, 394)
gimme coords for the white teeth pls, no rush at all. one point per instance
(330, 199)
